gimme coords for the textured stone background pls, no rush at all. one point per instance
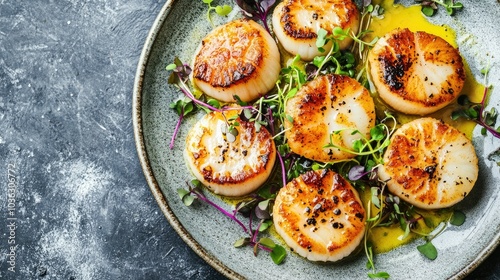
(82, 207)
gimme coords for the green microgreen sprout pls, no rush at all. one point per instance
(430, 7)
(335, 61)
(428, 250)
(372, 146)
(189, 103)
(495, 156)
(360, 46)
(260, 206)
(221, 10)
(370, 264)
(477, 111)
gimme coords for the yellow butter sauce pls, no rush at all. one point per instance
(386, 238)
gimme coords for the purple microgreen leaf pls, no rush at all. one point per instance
(495, 156)
(247, 8)
(266, 4)
(256, 10)
(357, 172)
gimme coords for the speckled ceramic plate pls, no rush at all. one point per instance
(176, 32)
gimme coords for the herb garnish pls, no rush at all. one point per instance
(457, 218)
(430, 7)
(477, 111)
(260, 207)
(184, 106)
(256, 10)
(223, 10)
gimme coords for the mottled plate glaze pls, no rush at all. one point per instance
(177, 30)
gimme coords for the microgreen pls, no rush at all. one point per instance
(183, 107)
(477, 111)
(269, 111)
(360, 47)
(370, 264)
(430, 7)
(259, 206)
(457, 218)
(391, 210)
(495, 156)
(428, 250)
(221, 10)
(189, 103)
(256, 10)
(337, 61)
(372, 146)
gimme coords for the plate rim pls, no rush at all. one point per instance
(137, 123)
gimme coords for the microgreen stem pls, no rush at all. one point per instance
(176, 130)
(283, 169)
(256, 232)
(232, 216)
(185, 89)
(481, 121)
(477, 111)
(257, 10)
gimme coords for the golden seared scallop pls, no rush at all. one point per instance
(416, 73)
(238, 58)
(296, 24)
(228, 165)
(327, 104)
(429, 164)
(320, 216)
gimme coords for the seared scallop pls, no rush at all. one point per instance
(323, 106)
(416, 73)
(238, 58)
(429, 164)
(296, 24)
(320, 216)
(226, 164)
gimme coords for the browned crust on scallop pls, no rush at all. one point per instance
(396, 63)
(296, 31)
(418, 176)
(223, 67)
(320, 193)
(312, 98)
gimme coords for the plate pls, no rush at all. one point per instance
(176, 32)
